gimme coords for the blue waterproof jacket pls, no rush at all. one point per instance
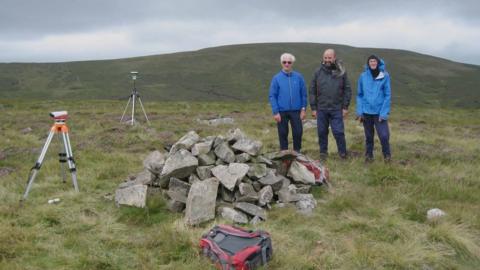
(374, 94)
(287, 92)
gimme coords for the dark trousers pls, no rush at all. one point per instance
(333, 118)
(297, 130)
(370, 122)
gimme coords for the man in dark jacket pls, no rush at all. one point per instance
(330, 95)
(288, 99)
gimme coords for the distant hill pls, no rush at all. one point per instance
(237, 72)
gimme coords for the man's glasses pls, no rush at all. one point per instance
(287, 62)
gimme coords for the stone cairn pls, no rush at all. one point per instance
(225, 175)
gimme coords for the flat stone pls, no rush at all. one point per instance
(248, 146)
(186, 142)
(154, 162)
(265, 195)
(288, 194)
(206, 159)
(247, 193)
(271, 180)
(218, 140)
(192, 178)
(299, 173)
(242, 158)
(233, 215)
(144, 178)
(257, 170)
(255, 220)
(231, 174)
(251, 209)
(226, 195)
(133, 195)
(282, 155)
(303, 189)
(178, 190)
(180, 165)
(204, 172)
(217, 121)
(200, 206)
(262, 159)
(201, 148)
(225, 153)
(234, 135)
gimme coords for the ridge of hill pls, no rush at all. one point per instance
(237, 72)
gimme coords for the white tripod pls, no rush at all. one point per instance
(133, 97)
(65, 156)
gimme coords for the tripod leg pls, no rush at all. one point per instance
(62, 158)
(126, 107)
(144, 113)
(70, 160)
(38, 164)
(133, 109)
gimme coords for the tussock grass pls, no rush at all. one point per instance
(373, 217)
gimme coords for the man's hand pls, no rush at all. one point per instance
(359, 118)
(314, 114)
(302, 114)
(277, 118)
(380, 119)
(345, 113)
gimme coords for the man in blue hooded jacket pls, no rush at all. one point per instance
(288, 99)
(373, 105)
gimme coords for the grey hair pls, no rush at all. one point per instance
(287, 56)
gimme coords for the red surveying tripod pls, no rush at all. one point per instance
(65, 155)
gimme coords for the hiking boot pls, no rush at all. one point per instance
(323, 156)
(343, 155)
(369, 159)
(387, 159)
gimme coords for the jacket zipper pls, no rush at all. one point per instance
(290, 88)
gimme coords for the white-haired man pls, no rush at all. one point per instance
(288, 99)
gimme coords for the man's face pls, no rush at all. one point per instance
(328, 58)
(372, 63)
(287, 64)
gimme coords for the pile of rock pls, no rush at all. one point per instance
(227, 175)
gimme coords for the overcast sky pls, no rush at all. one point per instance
(67, 30)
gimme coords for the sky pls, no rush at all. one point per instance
(73, 30)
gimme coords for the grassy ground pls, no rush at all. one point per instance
(374, 217)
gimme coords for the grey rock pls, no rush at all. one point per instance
(248, 146)
(271, 180)
(133, 195)
(282, 155)
(299, 173)
(265, 195)
(154, 162)
(206, 159)
(220, 162)
(224, 153)
(144, 178)
(200, 206)
(175, 206)
(180, 165)
(231, 174)
(226, 195)
(178, 190)
(192, 178)
(257, 170)
(186, 142)
(281, 166)
(201, 148)
(306, 203)
(204, 172)
(217, 121)
(233, 215)
(255, 220)
(242, 158)
(247, 193)
(288, 194)
(251, 209)
(257, 186)
(234, 135)
(435, 214)
(218, 140)
(262, 159)
(303, 189)
(26, 130)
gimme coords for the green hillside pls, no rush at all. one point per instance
(238, 72)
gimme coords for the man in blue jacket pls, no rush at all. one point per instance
(288, 99)
(373, 105)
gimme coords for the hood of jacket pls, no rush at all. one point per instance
(381, 67)
(339, 71)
